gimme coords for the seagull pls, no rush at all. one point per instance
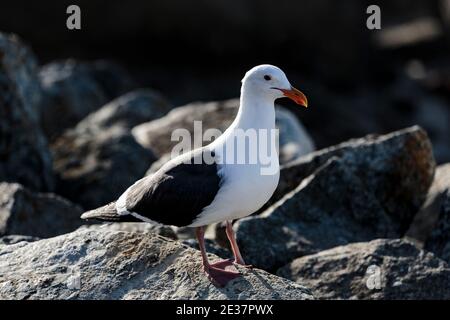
(208, 185)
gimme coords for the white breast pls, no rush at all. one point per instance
(245, 189)
(246, 186)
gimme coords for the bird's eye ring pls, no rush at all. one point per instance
(267, 78)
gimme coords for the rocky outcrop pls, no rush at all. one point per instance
(397, 167)
(142, 227)
(94, 167)
(14, 238)
(124, 265)
(439, 240)
(130, 109)
(98, 159)
(332, 207)
(294, 139)
(73, 89)
(427, 217)
(157, 135)
(211, 247)
(379, 269)
(369, 188)
(42, 215)
(24, 154)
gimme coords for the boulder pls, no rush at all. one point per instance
(427, 217)
(379, 269)
(439, 240)
(332, 207)
(369, 188)
(97, 264)
(42, 215)
(73, 89)
(15, 238)
(95, 165)
(129, 110)
(98, 159)
(157, 135)
(24, 154)
(211, 247)
(143, 227)
(294, 139)
(398, 167)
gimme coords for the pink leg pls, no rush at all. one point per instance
(217, 272)
(234, 246)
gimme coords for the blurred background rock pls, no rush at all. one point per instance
(377, 81)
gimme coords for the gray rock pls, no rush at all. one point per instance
(124, 265)
(294, 140)
(98, 159)
(42, 215)
(113, 79)
(129, 110)
(332, 207)
(14, 238)
(143, 227)
(370, 188)
(379, 269)
(439, 240)
(211, 247)
(398, 167)
(217, 232)
(24, 154)
(94, 165)
(74, 89)
(427, 217)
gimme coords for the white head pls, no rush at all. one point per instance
(271, 82)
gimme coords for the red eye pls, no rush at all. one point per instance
(267, 78)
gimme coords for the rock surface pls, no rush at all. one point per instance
(332, 207)
(368, 189)
(130, 109)
(165, 231)
(294, 140)
(392, 269)
(397, 167)
(124, 265)
(427, 217)
(439, 240)
(14, 238)
(73, 89)
(211, 247)
(42, 215)
(24, 154)
(94, 166)
(98, 159)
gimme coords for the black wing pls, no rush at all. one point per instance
(178, 194)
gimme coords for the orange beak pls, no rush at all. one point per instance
(296, 95)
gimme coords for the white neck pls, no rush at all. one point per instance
(256, 111)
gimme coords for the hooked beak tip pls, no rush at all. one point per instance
(296, 95)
